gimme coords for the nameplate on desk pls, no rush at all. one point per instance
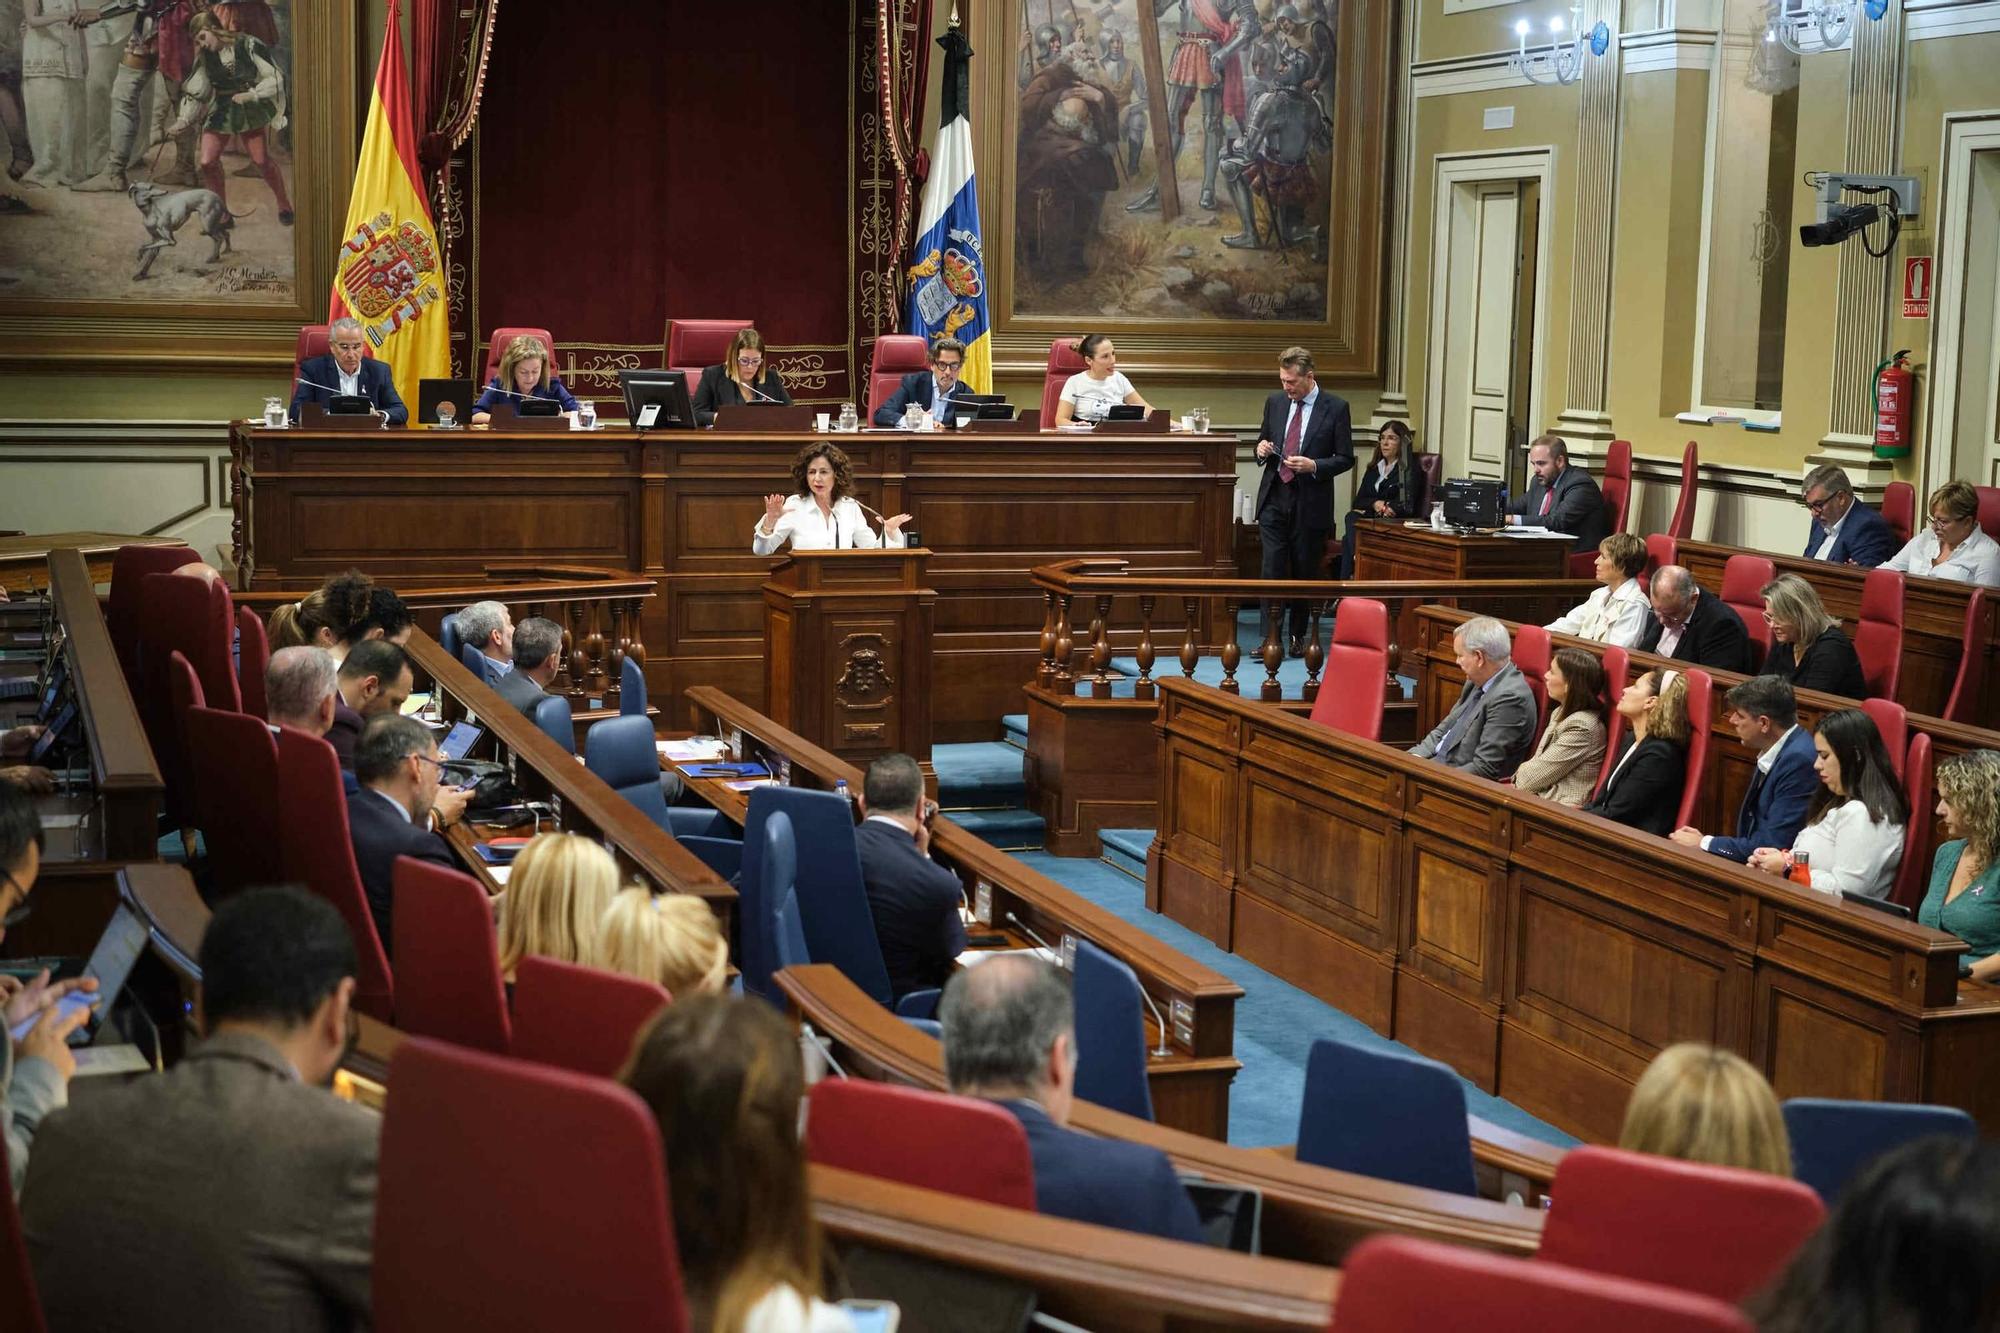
(982, 903)
(765, 418)
(1157, 422)
(504, 416)
(1028, 423)
(1182, 1014)
(314, 416)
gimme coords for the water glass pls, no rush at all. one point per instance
(586, 415)
(849, 421)
(822, 421)
(1201, 420)
(274, 413)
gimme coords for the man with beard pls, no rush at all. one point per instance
(233, 1191)
(1069, 131)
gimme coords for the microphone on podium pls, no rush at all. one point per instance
(765, 396)
(909, 529)
(338, 392)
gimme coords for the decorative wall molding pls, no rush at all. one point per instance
(1486, 73)
(151, 478)
(1924, 21)
(1667, 49)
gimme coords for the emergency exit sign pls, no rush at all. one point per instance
(1917, 287)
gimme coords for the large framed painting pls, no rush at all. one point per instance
(1207, 180)
(176, 175)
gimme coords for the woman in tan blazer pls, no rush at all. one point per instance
(1566, 759)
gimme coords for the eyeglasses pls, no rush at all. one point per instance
(749, 360)
(949, 365)
(20, 912)
(1941, 524)
(1817, 505)
(438, 764)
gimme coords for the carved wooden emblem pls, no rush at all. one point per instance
(865, 682)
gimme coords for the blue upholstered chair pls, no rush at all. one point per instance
(1110, 1034)
(632, 689)
(788, 931)
(770, 873)
(1387, 1115)
(449, 640)
(620, 750)
(553, 717)
(1834, 1141)
(475, 662)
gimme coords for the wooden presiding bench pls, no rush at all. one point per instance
(1190, 1085)
(1546, 954)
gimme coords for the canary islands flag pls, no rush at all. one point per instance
(948, 268)
(390, 275)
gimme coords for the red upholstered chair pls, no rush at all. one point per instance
(1681, 526)
(572, 1233)
(129, 566)
(580, 1018)
(496, 347)
(1616, 664)
(1892, 720)
(896, 355)
(20, 1307)
(1064, 361)
(1701, 711)
(317, 852)
(919, 1138)
(235, 763)
(1661, 549)
(198, 617)
(1616, 487)
(1878, 636)
(176, 769)
(1967, 686)
(1899, 509)
(1989, 509)
(1913, 875)
(1392, 1284)
(253, 655)
(1531, 655)
(1433, 469)
(449, 959)
(1743, 578)
(1356, 679)
(314, 340)
(1711, 1229)
(694, 345)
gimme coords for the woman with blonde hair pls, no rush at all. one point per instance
(1616, 611)
(527, 370)
(1808, 646)
(560, 887)
(1952, 545)
(1964, 896)
(1702, 1104)
(744, 378)
(672, 939)
(1643, 788)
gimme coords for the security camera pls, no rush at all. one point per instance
(1836, 221)
(1841, 224)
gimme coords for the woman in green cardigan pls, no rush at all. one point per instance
(1964, 898)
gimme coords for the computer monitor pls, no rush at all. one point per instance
(1472, 504)
(657, 399)
(536, 407)
(349, 405)
(461, 394)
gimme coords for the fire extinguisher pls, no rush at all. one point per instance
(1895, 391)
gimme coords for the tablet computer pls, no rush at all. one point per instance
(458, 742)
(111, 962)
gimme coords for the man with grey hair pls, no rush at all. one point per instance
(1010, 1037)
(1844, 531)
(1490, 730)
(348, 372)
(537, 649)
(299, 689)
(1688, 624)
(489, 627)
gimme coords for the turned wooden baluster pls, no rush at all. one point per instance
(1100, 648)
(1143, 687)
(594, 650)
(1190, 647)
(1064, 682)
(614, 695)
(1395, 648)
(1232, 652)
(1045, 674)
(579, 668)
(1271, 653)
(635, 647)
(1314, 657)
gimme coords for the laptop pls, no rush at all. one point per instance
(349, 405)
(458, 742)
(111, 962)
(461, 394)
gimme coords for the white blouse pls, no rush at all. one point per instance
(810, 530)
(1091, 399)
(783, 1310)
(1609, 615)
(1975, 560)
(1851, 853)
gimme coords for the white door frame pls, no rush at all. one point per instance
(1965, 133)
(1450, 170)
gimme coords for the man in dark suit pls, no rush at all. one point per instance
(1766, 718)
(537, 661)
(233, 1191)
(374, 678)
(1010, 1037)
(1844, 530)
(931, 388)
(1692, 625)
(301, 689)
(1306, 440)
(345, 371)
(1560, 498)
(913, 899)
(397, 767)
(1492, 727)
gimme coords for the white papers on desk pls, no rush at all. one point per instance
(500, 873)
(974, 957)
(693, 750)
(1546, 534)
(62, 819)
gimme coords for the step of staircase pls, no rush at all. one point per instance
(1125, 848)
(979, 773)
(1010, 829)
(1014, 730)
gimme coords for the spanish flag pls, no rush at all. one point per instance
(390, 274)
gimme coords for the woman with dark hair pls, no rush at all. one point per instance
(1853, 838)
(1643, 788)
(1964, 897)
(722, 1076)
(1392, 486)
(1098, 387)
(1913, 1246)
(334, 617)
(744, 377)
(389, 617)
(821, 514)
(1571, 750)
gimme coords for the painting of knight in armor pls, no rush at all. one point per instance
(1239, 230)
(149, 154)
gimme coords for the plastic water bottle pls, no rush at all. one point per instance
(840, 790)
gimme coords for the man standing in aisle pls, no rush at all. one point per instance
(1305, 442)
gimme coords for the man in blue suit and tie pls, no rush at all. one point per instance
(1844, 531)
(346, 371)
(927, 388)
(1766, 717)
(1010, 1037)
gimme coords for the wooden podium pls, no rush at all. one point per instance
(847, 651)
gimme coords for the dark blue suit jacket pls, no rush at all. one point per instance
(1773, 814)
(1865, 538)
(914, 901)
(551, 387)
(1125, 1185)
(918, 387)
(380, 835)
(378, 386)
(1328, 441)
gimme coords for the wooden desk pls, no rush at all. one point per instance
(1386, 549)
(1933, 621)
(678, 506)
(24, 558)
(1190, 1085)
(1545, 954)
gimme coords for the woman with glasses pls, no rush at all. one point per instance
(744, 377)
(1808, 646)
(1953, 546)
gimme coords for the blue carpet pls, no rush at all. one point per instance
(1011, 830)
(979, 774)
(1014, 730)
(1125, 849)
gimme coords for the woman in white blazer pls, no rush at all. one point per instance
(1616, 612)
(1853, 838)
(1566, 759)
(822, 513)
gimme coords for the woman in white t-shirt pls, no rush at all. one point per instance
(1098, 387)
